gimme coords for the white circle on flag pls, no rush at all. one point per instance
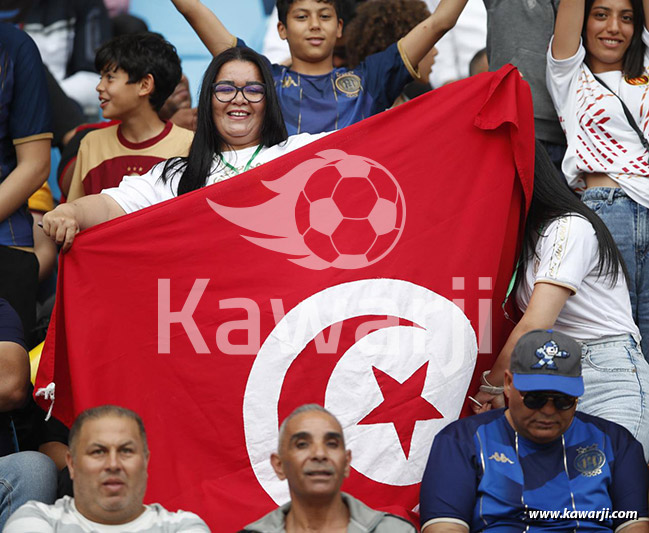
(443, 337)
(399, 352)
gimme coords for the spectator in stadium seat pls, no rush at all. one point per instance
(25, 141)
(138, 74)
(311, 456)
(277, 50)
(314, 96)
(108, 461)
(26, 475)
(239, 127)
(571, 278)
(493, 471)
(177, 109)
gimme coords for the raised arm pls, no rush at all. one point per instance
(567, 28)
(63, 223)
(207, 25)
(425, 34)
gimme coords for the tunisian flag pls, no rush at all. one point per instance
(361, 272)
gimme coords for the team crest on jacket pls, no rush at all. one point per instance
(349, 84)
(590, 460)
(335, 210)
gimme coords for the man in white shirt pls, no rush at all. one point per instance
(108, 461)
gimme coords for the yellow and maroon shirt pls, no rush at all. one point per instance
(106, 156)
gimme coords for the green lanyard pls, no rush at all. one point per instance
(512, 282)
(247, 167)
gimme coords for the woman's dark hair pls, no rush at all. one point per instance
(208, 141)
(634, 55)
(552, 199)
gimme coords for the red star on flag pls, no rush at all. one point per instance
(402, 404)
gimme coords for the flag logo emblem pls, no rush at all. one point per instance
(402, 365)
(335, 210)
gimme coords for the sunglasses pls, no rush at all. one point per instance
(537, 399)
(226, 91)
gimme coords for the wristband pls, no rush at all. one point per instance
(487, 387)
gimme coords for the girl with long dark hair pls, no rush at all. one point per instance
(597, 77)
(571, 278)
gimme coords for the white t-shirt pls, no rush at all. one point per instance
(567, 255)
(599, 136)
(62, 517)
(138, 192)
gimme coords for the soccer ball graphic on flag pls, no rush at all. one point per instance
(333, 210)
(350, 212)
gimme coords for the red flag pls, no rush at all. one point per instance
(360, 272)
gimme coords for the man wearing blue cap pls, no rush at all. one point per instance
(538, 465)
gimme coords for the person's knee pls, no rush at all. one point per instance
(35, 475)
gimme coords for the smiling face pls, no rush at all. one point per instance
(311, 30)
(239, 122)
(108, 464)
(312, 456)
(538, 425)
(609, 30)
(117, 97)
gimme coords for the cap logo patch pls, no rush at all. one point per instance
(547, 353)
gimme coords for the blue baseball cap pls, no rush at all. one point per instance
(547, 360)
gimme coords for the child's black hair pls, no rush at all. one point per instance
(139, 54)
(344, 9)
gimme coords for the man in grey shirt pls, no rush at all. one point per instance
(519, 32)
(108, 461)
(311, 456)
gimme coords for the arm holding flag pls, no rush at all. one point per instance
(546, 303)
(63, 224)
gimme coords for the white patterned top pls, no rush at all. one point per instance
(566, 255)
(599, 136)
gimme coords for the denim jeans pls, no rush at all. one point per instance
(25, 476)
(628, 222)
(616, 383)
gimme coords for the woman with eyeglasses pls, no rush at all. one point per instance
(570, 279)
(239, 127)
